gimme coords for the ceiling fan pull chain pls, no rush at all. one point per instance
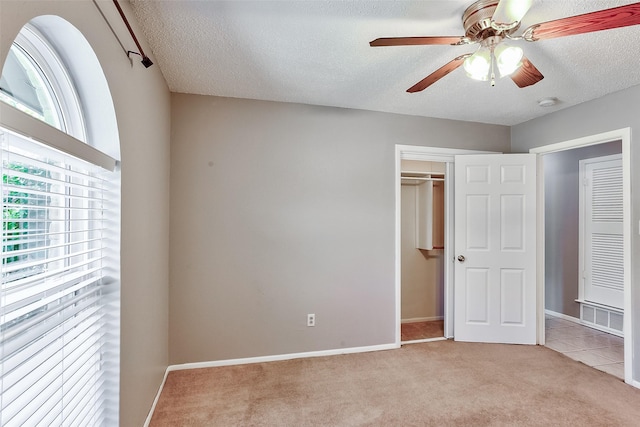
(493, 74)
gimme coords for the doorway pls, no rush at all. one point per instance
(582, 320)
(422, 251)
(563, 309)
(448, 156)
(445, 156)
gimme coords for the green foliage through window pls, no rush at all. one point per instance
(24, 211)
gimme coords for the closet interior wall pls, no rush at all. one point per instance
(422, 235)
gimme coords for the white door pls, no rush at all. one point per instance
(495, 248)
(602, 224)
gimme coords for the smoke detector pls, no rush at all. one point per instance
(548, 102)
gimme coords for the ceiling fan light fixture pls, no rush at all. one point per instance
(478, 65)
(509, 13)
(508, 58)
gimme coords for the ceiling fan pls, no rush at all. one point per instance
(493, 23)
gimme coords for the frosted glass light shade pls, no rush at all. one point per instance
(508, 59)
(478, 65)
(509, 13)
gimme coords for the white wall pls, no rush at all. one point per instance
(614, 111)
(141, 101)
(279, 210)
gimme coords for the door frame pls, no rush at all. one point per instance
(623, 135)
(429, 154)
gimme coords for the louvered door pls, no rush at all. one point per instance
(603, 267)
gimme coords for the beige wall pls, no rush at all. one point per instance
(279, 210)
(422, 272)
(141, 101)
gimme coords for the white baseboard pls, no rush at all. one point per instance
(421, 319)
(563, 316)
(279, 357)
(155, 401)
(261, 359)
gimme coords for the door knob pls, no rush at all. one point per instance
(461, 258)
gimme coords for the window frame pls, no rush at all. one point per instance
(56, 80)
(89, 118)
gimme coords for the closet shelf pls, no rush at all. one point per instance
(418, 177)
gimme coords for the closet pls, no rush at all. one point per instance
(422, 254)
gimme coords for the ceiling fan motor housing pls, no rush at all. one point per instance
(476, 21)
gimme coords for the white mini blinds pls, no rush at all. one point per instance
(56, 300)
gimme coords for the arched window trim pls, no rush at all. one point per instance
(70, 136)
(41, 88)
(55, 75)
(84, 74)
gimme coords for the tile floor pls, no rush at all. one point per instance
(595, 348)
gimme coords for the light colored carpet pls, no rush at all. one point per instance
(441, 383)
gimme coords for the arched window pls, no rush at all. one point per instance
(35, 81)
(59, 294)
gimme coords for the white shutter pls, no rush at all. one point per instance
(55, 325)
(603, 251)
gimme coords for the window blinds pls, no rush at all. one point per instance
(55, 301)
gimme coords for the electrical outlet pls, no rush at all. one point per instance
(311, 319)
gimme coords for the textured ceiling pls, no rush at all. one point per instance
(317, 52)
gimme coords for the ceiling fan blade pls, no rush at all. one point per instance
(622, 16)
(509, 13)
(526, 75)
(413, 41)
(438, 74)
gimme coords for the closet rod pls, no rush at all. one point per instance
(416, 178)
